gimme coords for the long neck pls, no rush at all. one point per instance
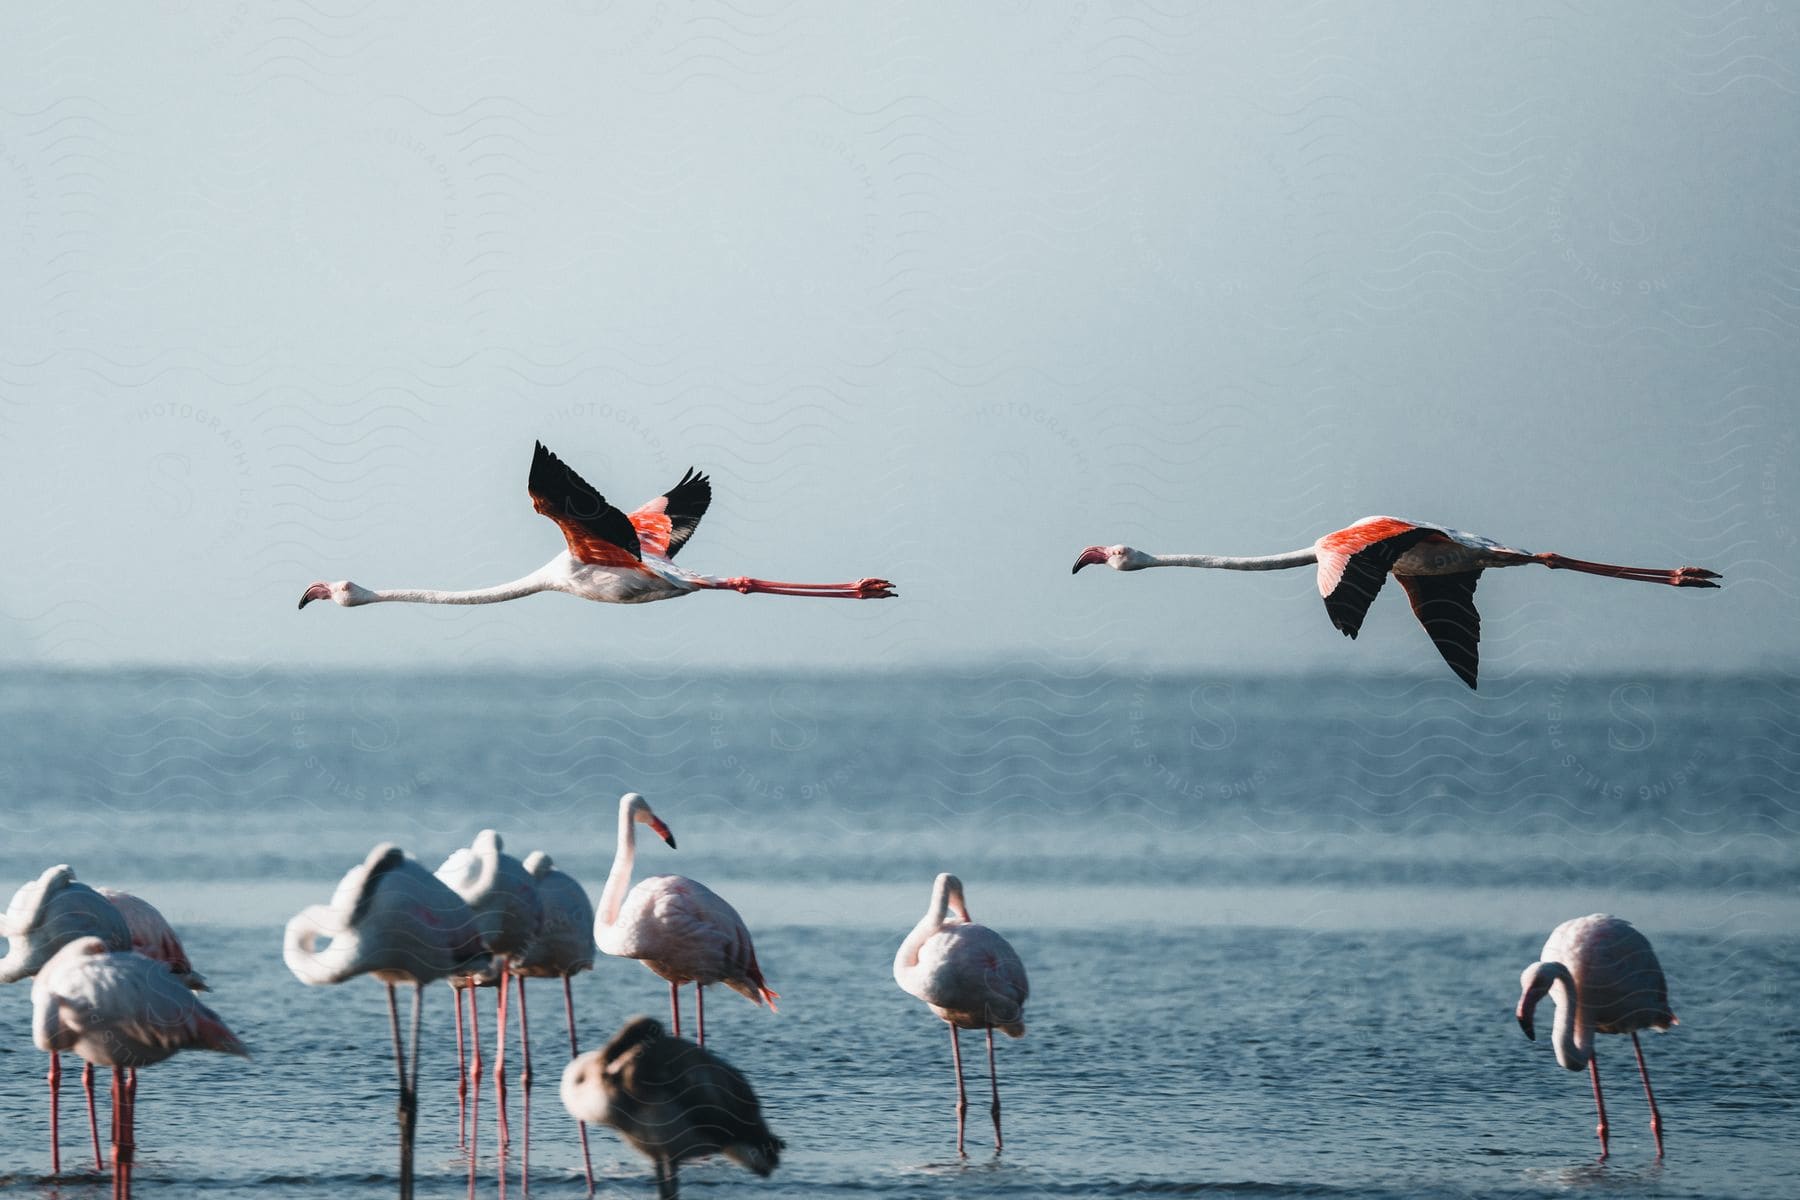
(529, 585)
(1570, 1037)
(929, 924)
(334, 964)
(618, 880)
(1266, 562)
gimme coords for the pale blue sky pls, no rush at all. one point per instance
(939, 292)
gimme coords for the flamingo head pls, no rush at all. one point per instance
(639, 808)
(950, 888)
(343, 591)
(1533, 983)
(1119, 558)
(584, 1088)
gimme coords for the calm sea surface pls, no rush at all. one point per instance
(1274, 927)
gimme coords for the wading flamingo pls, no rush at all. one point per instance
(121, 1010)
(1438, 566)
(508, 912)
(613, 557)
(680, 929)
(393, 919)
(45, 915)
(1604, 978)
(970, 977)
(671, 1101)
(563, 948)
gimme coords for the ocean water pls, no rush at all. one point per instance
(1274, 926)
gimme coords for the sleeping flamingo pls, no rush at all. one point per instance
(393, 919)
(508, 912)
(680, 929)
(613, 557)
(563, 947)
(970, 977)
(121, 1010)
(671, 1101)
(1438, 566)
(1604, 978)
(45, 915)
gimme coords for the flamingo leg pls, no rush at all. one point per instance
(474, 1081)
(123, 1144)
(700, 1011)
(1675, 577)
(54, 1077)
(587, 1162)
(1655, 1117)
(462, 1074)
(412, 1087)
(962, 1095)
(675, 1006)
(1599, 1103)
(667, 1186)
(402, 1111)
(994, 1082)
(861, 589)
(118, 1133)
(525, 1091)
(87, 1086)
(500, 1059)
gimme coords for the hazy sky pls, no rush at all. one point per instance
(938, 292)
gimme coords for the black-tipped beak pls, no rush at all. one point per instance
(1526, 1024)
(662, 831)
(317, 591)
(1089, 557)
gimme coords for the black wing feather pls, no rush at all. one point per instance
(562, 495)
(1363, 576)
(685, 504)
(1445, 606)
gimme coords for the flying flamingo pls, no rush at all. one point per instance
(121, 1010)
(508, 913)
(671, 1101)
(1438, 566)
(680, 929)
(613, 557)
(970, 977)
(393, 919)
(563, 948)
(1604, 978)
(45, 915)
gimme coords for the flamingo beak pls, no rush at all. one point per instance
(1525, 1023)
(317, 591)
(1092, 556)
(662, 831)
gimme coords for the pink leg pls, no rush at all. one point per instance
(675, 1006)
(474, 1080)
(587, 1162)
(1599, 1103)
(525, 1090)
(462, 1075)
(1655, 1117)
(87, 1086)
(500, 1059)
(994, 1082)
(118, 1133)
(861, 589)
(962, 1095)
(55, 1078)
(700, 1011)
(1675, 577)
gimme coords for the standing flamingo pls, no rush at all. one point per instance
(47, 914)
(153, 937)
(1604, 978)
(612, 557)
(970, 977)
(1438, 566)
(393, 919)
(563, 947)
(680, 929)
(124, 1011)
(671, 1101)
(508, 912)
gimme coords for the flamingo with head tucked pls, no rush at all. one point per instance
(613, 557)
(563, 948)
(1438, 566)
(970, 977)
(121, 1010)
(680, 929)
(1604, 978)
(393, 919)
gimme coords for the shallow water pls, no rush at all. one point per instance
(1274, 928)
